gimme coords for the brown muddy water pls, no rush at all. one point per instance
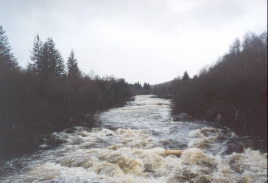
(130, 147)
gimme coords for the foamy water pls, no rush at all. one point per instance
(131, 147)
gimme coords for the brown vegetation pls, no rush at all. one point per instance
(233, 92)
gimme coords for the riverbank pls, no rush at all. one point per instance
(231, 92)
(130, 146)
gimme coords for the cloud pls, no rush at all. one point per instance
(140, 40)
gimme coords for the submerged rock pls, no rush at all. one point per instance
(70, 130)
(131, 99)
(183, 117)
(173, 152)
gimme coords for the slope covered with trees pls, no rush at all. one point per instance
(48, 97)
(232, 92)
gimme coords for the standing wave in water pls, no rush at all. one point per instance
(141, 143)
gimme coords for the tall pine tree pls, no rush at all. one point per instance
(185, 76)
(36, 55)
(7, 59)
(53, 56)
(47, 60)
(72, 66)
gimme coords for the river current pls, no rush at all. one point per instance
(140, 143)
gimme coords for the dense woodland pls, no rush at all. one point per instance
(232, 92)
(48, 96)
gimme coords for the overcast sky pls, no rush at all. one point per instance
(140, 40)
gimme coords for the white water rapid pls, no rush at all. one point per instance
(130, 148)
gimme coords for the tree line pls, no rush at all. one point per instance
(48, 96)
(138, 89)
(232, 92)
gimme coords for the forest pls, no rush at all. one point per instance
(231, 92)
(49, 96)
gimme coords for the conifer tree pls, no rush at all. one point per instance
(72, 66)
(146, 86)
(47, 60)
(7, 59)
(54, 59)
(137, 85)
(185, 76)
(36, 56)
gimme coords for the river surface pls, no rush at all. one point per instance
(130, 146)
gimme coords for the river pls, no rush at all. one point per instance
(131, 146)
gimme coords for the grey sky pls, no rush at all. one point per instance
(140, 40)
